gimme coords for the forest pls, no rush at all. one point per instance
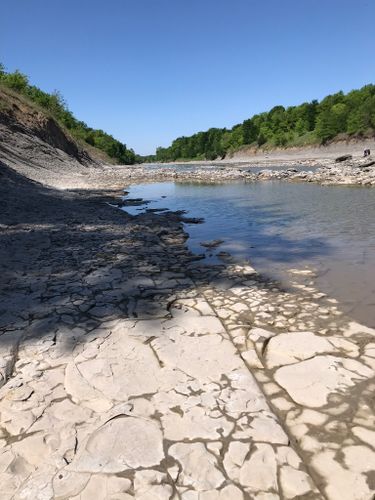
(343, 115)
(56, 106)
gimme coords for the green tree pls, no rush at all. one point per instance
(16, 81)
(249, 132)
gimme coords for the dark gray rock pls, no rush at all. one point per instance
(339, 159)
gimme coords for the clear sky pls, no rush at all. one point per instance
(148, 71)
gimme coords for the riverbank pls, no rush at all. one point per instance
(132, 370)
(329, 151)
(354, 171)
(24, 151)
(357, 172)
(277, 226)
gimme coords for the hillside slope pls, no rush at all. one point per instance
(331, 150)
(35, 145)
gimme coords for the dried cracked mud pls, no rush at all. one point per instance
(131, 370)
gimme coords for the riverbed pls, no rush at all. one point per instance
(280, 227)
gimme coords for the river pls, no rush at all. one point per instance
(280, 226)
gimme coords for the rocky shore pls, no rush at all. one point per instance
(355, 171)
(35, 147)
(129, 369)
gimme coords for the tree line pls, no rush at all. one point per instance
(345, 115)
(55, 104)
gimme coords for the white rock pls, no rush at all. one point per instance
(199, 467)
(294, 483)
(359, 458)
(311, 382)
(193, 424)
(38, 485)
(229, 492)
(103, 486)
(288, 348)
(342, 483)
(355, 328)
(66, 484)
(235, 458)
(264, 427)
(252, 359)
(205, 358)
(365, 435)
(124, 367)
(82, 392)
(266, 496)
(260, 471)
(151, 485)
(122, 443)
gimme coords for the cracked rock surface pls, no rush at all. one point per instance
(129, 370)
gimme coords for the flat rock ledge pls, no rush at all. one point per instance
(130, 371)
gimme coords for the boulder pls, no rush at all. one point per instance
(339, 159)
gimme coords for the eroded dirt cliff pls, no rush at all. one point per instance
(35, 145)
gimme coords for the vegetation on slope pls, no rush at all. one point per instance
(57, 107)
(314, 122)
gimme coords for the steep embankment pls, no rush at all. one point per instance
(330, 150)
(35, 145)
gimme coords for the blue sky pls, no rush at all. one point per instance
(148, 71)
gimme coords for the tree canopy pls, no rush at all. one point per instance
(312, 122)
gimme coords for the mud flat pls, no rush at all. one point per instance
(131, 370)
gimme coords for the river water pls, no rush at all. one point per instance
(280, 226)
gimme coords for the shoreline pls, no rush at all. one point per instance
(352, 172)
(332, 150)
(54, 168)
(224, 370)
(212, 238)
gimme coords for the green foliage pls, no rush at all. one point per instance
(250, 131)
(309, 123)
(16, 81)
(55, 104)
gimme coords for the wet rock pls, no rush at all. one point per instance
(211, 244)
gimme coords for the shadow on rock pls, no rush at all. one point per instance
(71, 264)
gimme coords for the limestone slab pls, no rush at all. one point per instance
(311, 382)
(122, 443)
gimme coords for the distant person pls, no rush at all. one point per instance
(366, 152)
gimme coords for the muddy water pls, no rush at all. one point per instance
(280, 226)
